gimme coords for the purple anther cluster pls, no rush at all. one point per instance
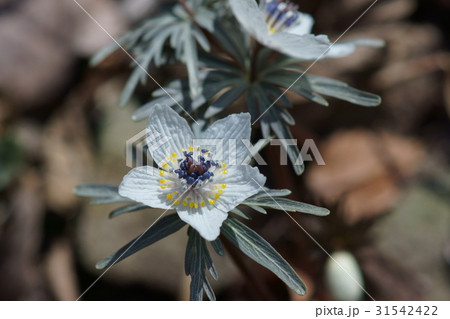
(287, 12)
(193, 170)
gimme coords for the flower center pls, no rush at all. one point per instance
(196, 170)
(279, 15)
(188, 181)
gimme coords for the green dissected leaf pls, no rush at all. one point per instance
(309, 85)
(257, 208)
(104, 194)
(286, 205)
(312, 96)
(208, 290)
(275, 93)
(205, 18)
(110, 200)
(212, 83)
(164, 227)
(263, 104)
(281, 130)
(194, 265)
(126, 41)
(283, 62)
(208, 261)
(151, 43)
(190, 57)
(197, 259)
(127, 209)
(142, 113)
(105, 52)
(218, 248)
(252, 105)
(226, 99)
(209, 61)
(232, 40)
(239, 213)
(272, 120)
(294, 82)
(272, 198)
(201, 39)
(342, 91)
(255, 247)
(267, 192)
(287, 117)
(96, 190)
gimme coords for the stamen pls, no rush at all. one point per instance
(195, 170)
(279, 15)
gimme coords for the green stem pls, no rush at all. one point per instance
(186, 8)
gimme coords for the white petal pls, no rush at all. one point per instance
(242, 181)
(206, 220)
(305, 25)
(249, 15)
(304, 47)
(142, 185)
(340, 50)
(345, 48)
(167, 133)
(231, 131)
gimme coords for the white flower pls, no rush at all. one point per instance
(198, 184)
(278, 25)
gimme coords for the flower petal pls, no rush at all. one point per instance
(167, 133)
(305, 25)
(345, 48)
(241, 182)
(304, 47)
(206, 220)
(249, 15)
(231, 131)
(142, 185)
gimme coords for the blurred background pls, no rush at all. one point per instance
(386, 178)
